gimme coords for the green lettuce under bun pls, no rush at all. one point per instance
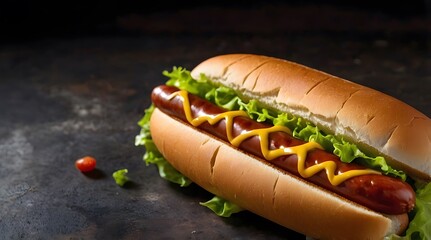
(227, 98)
(222, 207)
(152, 154)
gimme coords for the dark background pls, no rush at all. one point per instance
(35, 19)
(75, 77)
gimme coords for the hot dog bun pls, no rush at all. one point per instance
(379, 124)
(255, 185)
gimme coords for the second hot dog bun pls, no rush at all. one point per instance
(257, 186)
(379, 124)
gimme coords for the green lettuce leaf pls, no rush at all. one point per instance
(349, 152)
(181, 78)
(420, 225)
(152, 154)
(222, 207)
(120, 177)
(420, 222)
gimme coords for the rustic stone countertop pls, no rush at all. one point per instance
(66, 93)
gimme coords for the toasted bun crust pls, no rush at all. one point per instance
(276, 195)
(379, 124)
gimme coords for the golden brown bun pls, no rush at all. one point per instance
(255, 185)
(379, 124)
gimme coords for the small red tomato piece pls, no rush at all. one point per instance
(86, 164)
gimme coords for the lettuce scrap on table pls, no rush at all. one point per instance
(228, 99)
(120, 177)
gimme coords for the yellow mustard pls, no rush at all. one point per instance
(263, 134)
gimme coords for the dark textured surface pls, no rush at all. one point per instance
(65, 94)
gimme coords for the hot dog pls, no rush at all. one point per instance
(374, 205)
(388, 195)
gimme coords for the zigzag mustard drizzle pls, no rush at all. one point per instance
(263, 133)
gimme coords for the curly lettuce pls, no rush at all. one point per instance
(228, 99)
(420, 225)
(152, 154)
(222, 207)
(120, 177)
